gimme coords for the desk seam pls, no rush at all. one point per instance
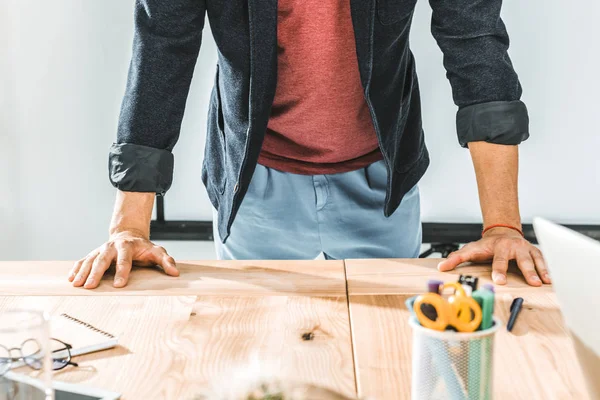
(354, 363)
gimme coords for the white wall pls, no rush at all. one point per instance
(62, 83)
(66, 69)
(8, 144)
(554, 47)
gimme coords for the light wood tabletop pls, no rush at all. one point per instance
(259, 278)
(180, 335)
(178, 347)
(408, 276)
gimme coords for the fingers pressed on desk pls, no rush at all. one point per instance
(453, 261)
(84, 271)
(123, 267)
(500, 265)
(160, 257)
(99, 267)
(527, 267)
(540, 265)
(75, 269)
(169, 265)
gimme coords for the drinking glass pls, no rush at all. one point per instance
(25, 356)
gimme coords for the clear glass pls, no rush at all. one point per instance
(25, 356)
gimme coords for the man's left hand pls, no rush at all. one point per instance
(501, 245)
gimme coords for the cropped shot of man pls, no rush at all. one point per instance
(315, 142)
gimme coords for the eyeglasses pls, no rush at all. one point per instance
(31, 353)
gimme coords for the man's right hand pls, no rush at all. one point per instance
(125, 249)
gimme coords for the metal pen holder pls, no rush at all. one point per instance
(452, 365)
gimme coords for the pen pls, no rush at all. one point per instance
(468, 289)
(469, 280)
(480, 351)
(490, 287)
(515, 309)
(485, 299)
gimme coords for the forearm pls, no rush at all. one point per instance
(132, 213)
(497, 168)
(166, 43)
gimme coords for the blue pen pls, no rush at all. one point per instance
(443, 366)
(433, 351)
(425, 353)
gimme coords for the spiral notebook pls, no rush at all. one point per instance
(83, 337)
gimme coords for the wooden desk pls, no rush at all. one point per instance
(376, 277)
(175, 347)
(219, 316)
(315, 278)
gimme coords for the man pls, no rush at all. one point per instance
(314, 140)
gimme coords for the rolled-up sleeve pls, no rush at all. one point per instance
(485, 86)
(166, 44)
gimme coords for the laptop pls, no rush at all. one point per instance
(574, 264)
(20, 386)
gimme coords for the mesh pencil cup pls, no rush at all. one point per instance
(452, 365)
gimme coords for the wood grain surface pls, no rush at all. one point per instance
(536, 361)
(178, 347)
(409, 276)
(221, 319)
(318, 278)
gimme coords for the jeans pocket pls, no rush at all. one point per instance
(377, 176)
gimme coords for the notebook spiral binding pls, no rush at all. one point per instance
(92, 327)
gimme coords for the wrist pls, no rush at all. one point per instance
(515, 230)
(132, 214)
(118, 231)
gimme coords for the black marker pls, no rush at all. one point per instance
(469, 280)
(515, 309)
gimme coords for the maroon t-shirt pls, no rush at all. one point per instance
(320, 122)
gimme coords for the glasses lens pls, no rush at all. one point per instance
(60, 354)
(32, 353)
(5, 360)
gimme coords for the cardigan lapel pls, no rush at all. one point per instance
(262, 15)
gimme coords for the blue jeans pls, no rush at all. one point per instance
(287, 216)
